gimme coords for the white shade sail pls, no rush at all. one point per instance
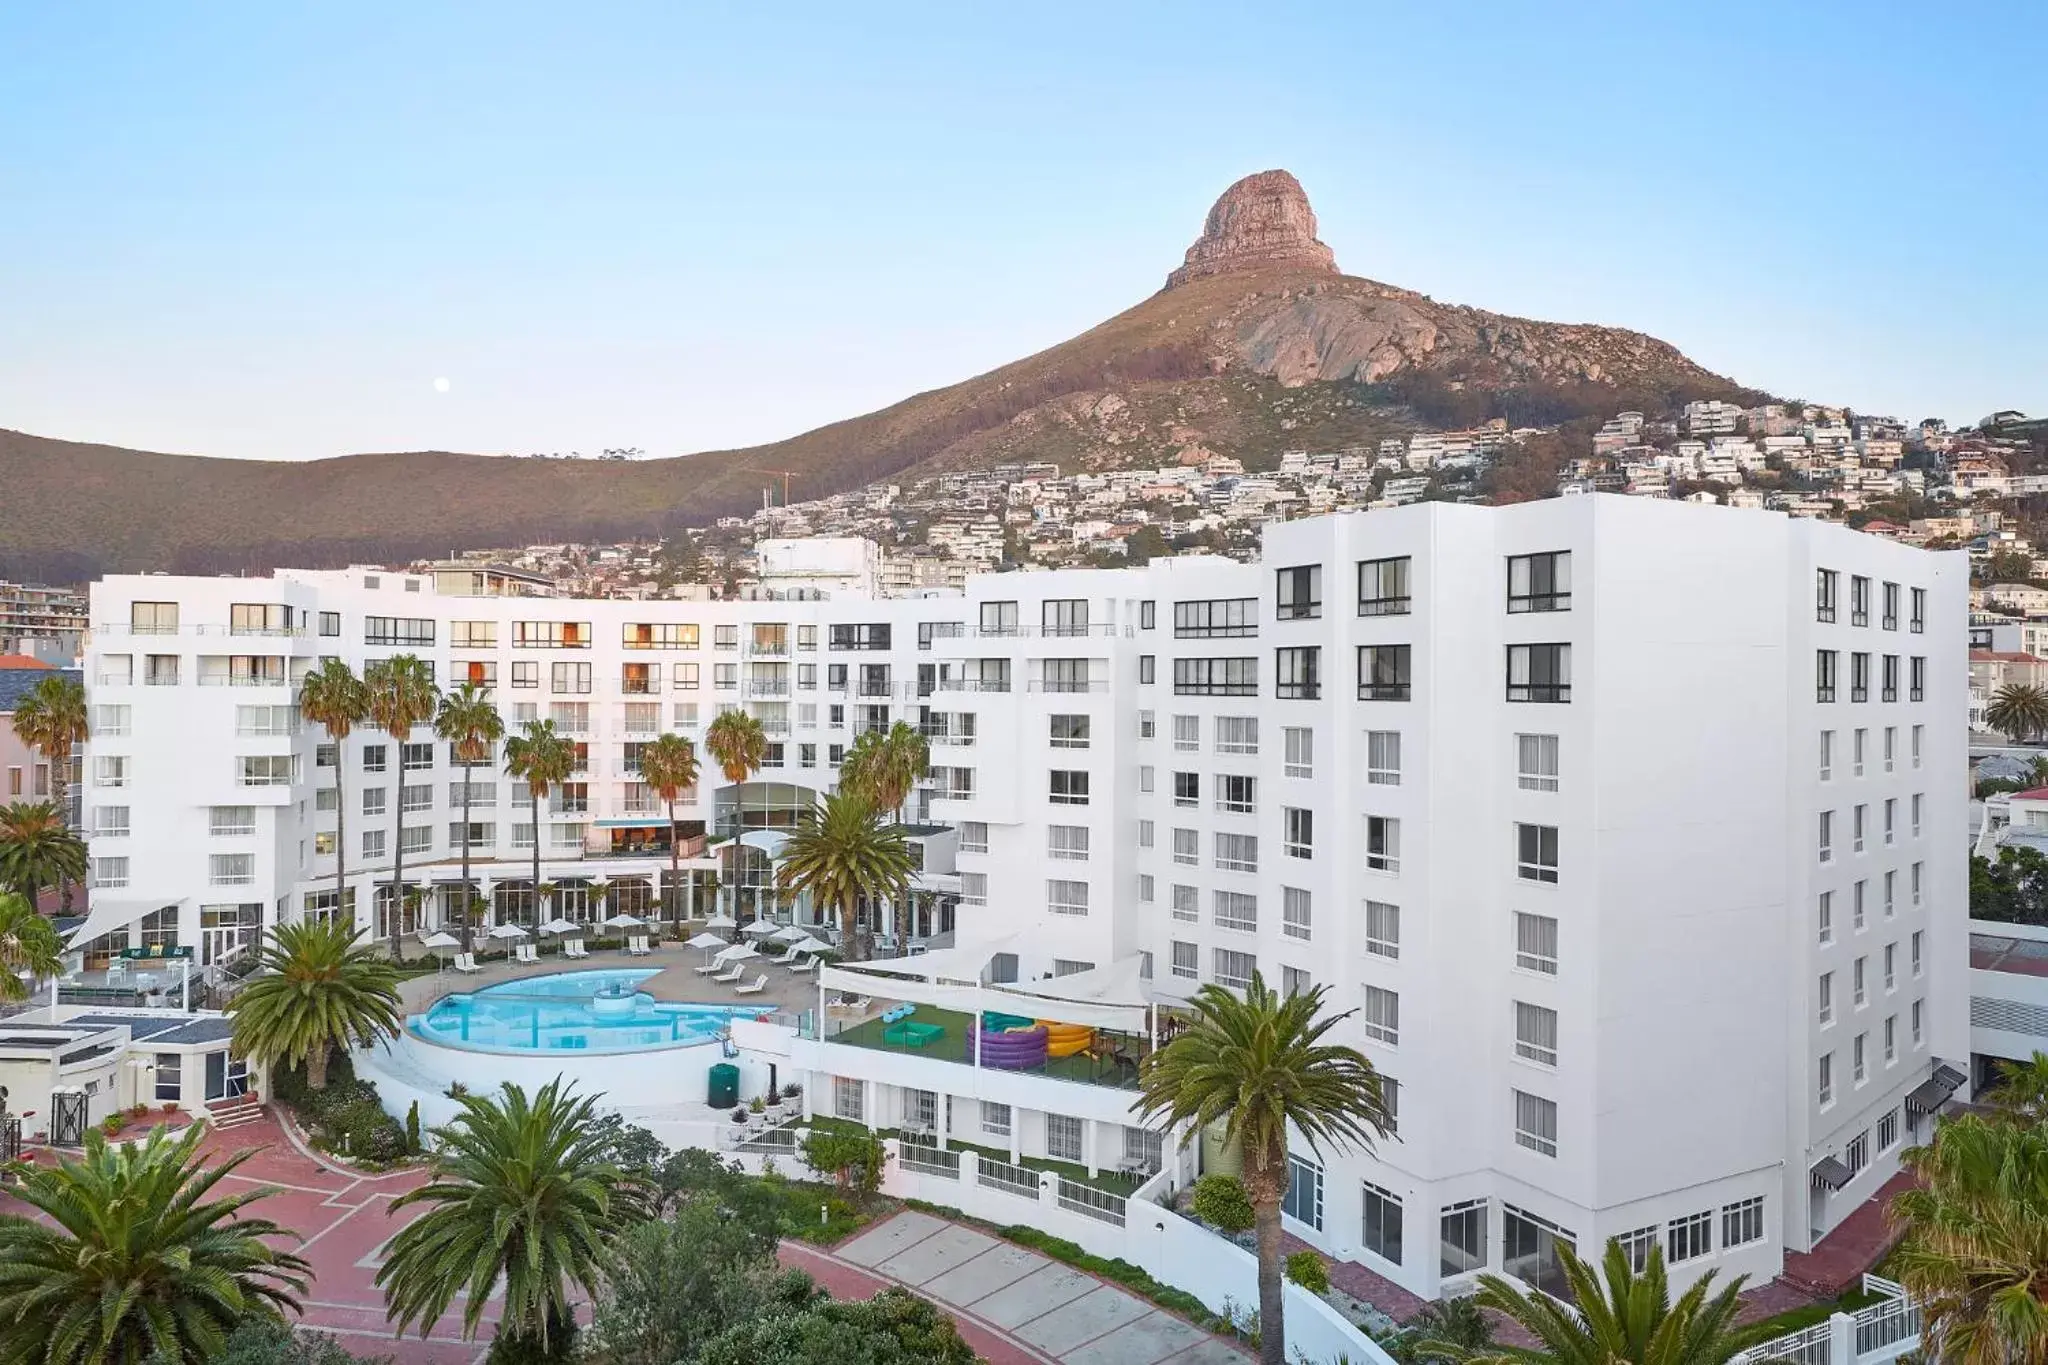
(1112, 997)
(108, 914)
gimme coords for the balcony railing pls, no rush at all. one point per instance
(974, 685)
(243, 680)
(1105, 632)
(1068, 685)
(768, 687)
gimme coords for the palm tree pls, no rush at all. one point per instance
(887, 765)
(131, 1261)
(402, 698)
(319, 989)
(1259, 1063)
(29, 947)
(842, 850)
(542, 759)
(37, 848)
(525, 1199)
(2019, 709)
(1975, 1253)
(668, 765)
(335, 699)
(737, 742)
(472, 727)
(1628, 1320)
(2022, 1089)
(52, 718)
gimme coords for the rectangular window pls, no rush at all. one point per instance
(330, 623)
(1535, 1033)
(1889, 690)
(1148, 615)
(1859, 676)
(1536, 853)
(1919, 621)
(1689, 1237)
(231, 869)
(1382, 1227)
(1742, 1222)
(1067, 788)
(1824, 1080)
(226, 821)
(1067, 843)
(275, 770)
(1857, 1061)
(1891, 606)
(1298, 592)
(1383, 587)
(1235, 910)
(551, 635)
(1859, 818)
(525, 673)
(111, 822)
(1540, 582)
(1856, 1156)
(1859, 600)
(1146, 888)
(1383, 757)
(1463, 1234)
(847, 1097)
(1237, 734)
(1382, 1015)
(1187, 789)
(1235, 794)
(1298, 673)
(1383, 672)
(112, 722)
(1382, 843)
(1214, 677)
(1825, 662)
(1891, 745)
(973, 836)
(1826, 582)
(1536, 943)
(1827, 755)
(408, 631)
(1233, 970)
(1827, 836)
(1299, 745)
(1187, 905)
(1187, 734)
(1913, 953)
(1540, 673)
(1237, 852)
(1891, 811)
(1857, 978)
(1825, 999)
(1145, 834)
(1294, 913)
(109, 873)
(1148, 722)
(1066, 897)
(1187, 847)
(1916, 1021)
(1064, 616)
(1382, 929)
(1303, 1201)
(1827, 918)
(1917, 679)
(1298, 831)
(1916, 815)
(111, 770)
(1536, 1123)
(1637, 1246)
(1067, 732)
(374, 800)
(1536, 763)
(1888, 1131)
(1186, 960)
(1915, 878)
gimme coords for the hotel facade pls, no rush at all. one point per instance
(1625, 832)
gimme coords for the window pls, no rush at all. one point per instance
(1187, 847)
(1295, 981)
(1825, 999)
(1294, 912)
(1298, 831)
(1916, 689)
(1464, 1238)
(1187, 734)
(1857, 1068)
(685, 677)
(1299, 673)
(111, 770)
(1536, 1123)
(1890, 678)
(1913, 952)
(1236, 735)
(1915, 878)
(330, 623)
(1187, 903)
(1148, 724)
(973, 836)
(724, 677)
(1891, 745)
(1890, 620)
(1858, 818)
(1235, 794)
(153, 618)
(1825, 662)
(231, 869)
(373, 800)
(1147, 888)
(1859, 676)
(1298, 742)
(407, 631)
(1148, 615)
(1235, 910)
(1068, 788)
(1064, 616)
(1383, 672)
(1861, 743)
(225, 821)
(1535, 1033)
(111, 822)
(1827, 836)
(1382, 1015)
(1223, 617)
(1233, 970)
(273, 770)
(1742, 1222)
(1214, 677)
(1186, 960)
(974, 888)
(1148, 673)
(1859, 600)
(1383, 587)
(1825, 585)
(1689, 1237)
(1536, 943)
(1145, 777)
(1824, 1080)
(1067, 843)
(1298, 594)
(1382, 1229)
(1637, 1246)
(160, 670)
(415, 757)
(1540, 582)
(1857, 980)
(1891, 811)
(1856, 1156)
(1827, 755)
(1916, 1021)
(1066, 898)
(1916, 815)
(1827, 918)
(1187, 789)
(1890, 900)
(1237, 852)
(525, 673)
(1918, 623)
(109, 873)
(1536, 763)
(1068, 732)
(1888, 1131)
(1383, 757)
(847, 1097)
(1382, 843)
(1540, 673)
(1536, 853)
(659, 635)
(1303, 1201)
(111, 722)
(551, 635)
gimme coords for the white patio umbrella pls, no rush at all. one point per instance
(705, 941)
(789, 933)
(721, 922)
(807, 944)
(439, 944)
(507, 931)
(558, 925)
(622, 920)
(739, 952)
(759, 927)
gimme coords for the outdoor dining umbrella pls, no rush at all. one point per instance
(705, 942)
(439, 944)
(558, 925)
(721, 922)
(507, 931)
(759, 927)
(789, 933)
(738, 952)
(622, 920)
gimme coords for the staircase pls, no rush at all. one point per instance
(235, 1113)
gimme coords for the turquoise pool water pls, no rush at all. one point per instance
(572, 1012)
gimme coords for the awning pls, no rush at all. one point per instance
(635, 822)
(109, 914)
(1830, 1174)
(1933, 1092)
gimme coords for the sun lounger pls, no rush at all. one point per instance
(574, 948)
(787, 958)
(466, 962)
(730, 974)
(637, 946)
(709, 968)
(526, 952)
(850, 1003)
(754, 987)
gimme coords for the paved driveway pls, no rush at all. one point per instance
(1064, 1314)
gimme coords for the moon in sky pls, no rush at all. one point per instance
(440, 386)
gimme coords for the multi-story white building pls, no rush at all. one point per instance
(1620, 828)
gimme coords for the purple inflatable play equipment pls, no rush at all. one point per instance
(1012, 1051)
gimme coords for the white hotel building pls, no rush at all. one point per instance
(1628, 831)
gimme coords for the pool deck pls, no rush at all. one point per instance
(675, 980)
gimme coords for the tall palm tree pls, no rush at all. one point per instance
(335, 699)
(38, 848)
(319, 989)
(542, 759)
(131, 1260)
(29, 947)
(668, 765)
(472, 727)
(887, 764)
(843, 850)
(736, 741)
(525, 1199)
(2020, 710)
(52, 717)
(1260, 1064)
(1975, 1253)
(1627, 1320)
(2022, 1089)
(402, 698)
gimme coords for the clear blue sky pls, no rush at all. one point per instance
(265, 230)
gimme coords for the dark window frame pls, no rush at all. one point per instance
(1384, 603)
(1298, 592)
(1538, 690)
(1544, 570)
(1372, 687)
(1298, 684)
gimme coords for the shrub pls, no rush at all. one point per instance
(1306, 1269)
(412, 1127)
(853, 1158)
(136, 1111)
(756, 1105)
(1221, 1202)
(113, 1123)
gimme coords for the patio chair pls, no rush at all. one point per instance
(730, 975)
(805, 962)
(754, 987)
(574, 949)
(709, 968)
(466, 962)
(788, 957)
(636, 946)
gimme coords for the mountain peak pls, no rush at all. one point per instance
(1260, 222)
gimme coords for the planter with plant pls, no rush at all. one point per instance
(1309, 1271)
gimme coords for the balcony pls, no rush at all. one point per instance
(1051, 632)
(1068, 685)
(974, 685)
(768, 687)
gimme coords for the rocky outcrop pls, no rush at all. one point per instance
(1261, 222)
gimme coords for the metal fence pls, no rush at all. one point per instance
(1807, 1347)
(1886, 1324)
(928, 1160)
(1091, 1202)
(1021, 1181)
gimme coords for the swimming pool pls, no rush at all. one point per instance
(572, 1012)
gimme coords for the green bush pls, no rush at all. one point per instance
(1306, 1269)
(1221, 1202)
(412, 1127)
(854, 1159)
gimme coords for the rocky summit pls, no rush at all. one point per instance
(1261, 222)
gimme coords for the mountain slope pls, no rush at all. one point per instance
(1256, 343)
